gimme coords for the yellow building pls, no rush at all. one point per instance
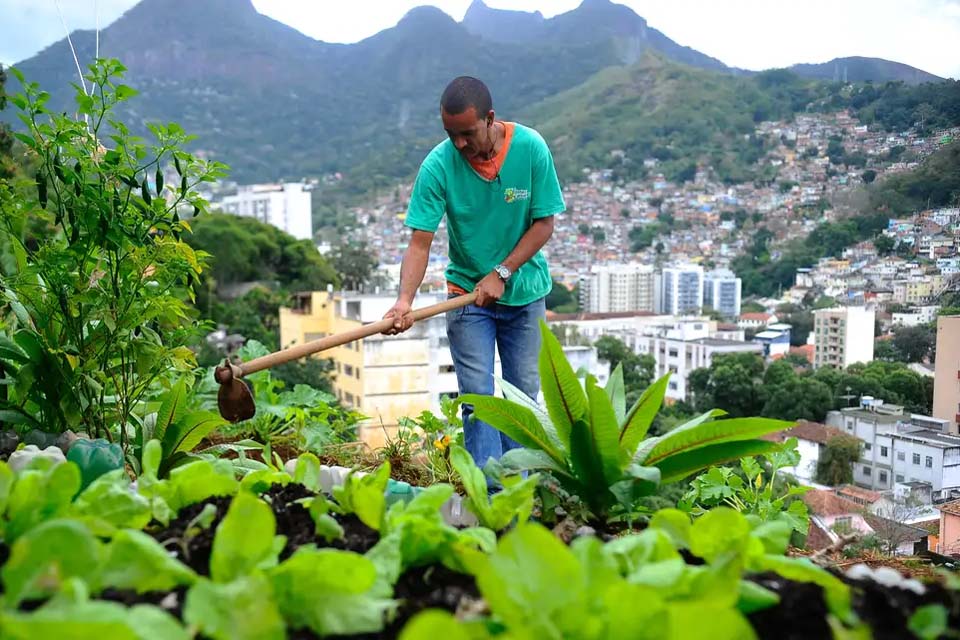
(382, 377)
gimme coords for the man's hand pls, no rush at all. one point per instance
(402, 320)
(489, 290)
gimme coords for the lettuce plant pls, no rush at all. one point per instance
(495, 512)
(597, 449)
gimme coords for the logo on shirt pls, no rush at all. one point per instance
(512, 195)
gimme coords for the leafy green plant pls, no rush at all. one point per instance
(597, 449)
(513, 503)
(429, 438)
(98, 281)
(756, 491)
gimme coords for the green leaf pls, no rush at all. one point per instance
(638, 421)
(244, 539)
(754, 597)
(10, 350)
(433, 624)
(365, 496)
(617, 393)
(929, 622)
(521, 459)
(40, 495)
(93, 620)
(674, 523)
(587, 465)
(775, 536)
(261, 480)
(47, 555)
(687, 621)
(387, 559)
(634, 551)
(688, 438)
(678, 466)
(329, 591)
(474, 483)
(639, 481)
(200, 480)
(604, 430)
(534, 583)
(171, 410)
(110, 499)
(514, 394)
(123, 92)
(720, 530)
(188, 431)
(137, 562)
(562, 393)
(307, 471)
(516, 421)
(244, 609)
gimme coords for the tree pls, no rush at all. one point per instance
(638, 370)
(868, 176)
(7, 168)
(731, 382)
(354, 263)
(583, 228)
(835, 465)
(889, 523)
(914, 344)
(559, 296)
(884, 244)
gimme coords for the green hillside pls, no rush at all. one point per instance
(677, 114)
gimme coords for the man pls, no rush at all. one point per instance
(495, 181)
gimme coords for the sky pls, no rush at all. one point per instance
(751, 34)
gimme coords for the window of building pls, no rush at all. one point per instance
(357, 373)
(867, 471)
(916, 458)
(929, 462)
(673, 353)
(843, 523)
(867, 446)
(348, 369)
(884, 452)
(899, 478)
(447, 368)
(883, 477)
(901, 455)
(673, 386)
(348, 397)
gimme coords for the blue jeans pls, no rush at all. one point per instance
(474, 333)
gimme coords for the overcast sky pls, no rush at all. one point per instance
(752, 34)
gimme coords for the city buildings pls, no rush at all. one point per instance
(615, 288)
(946, 379)
(843, 336)
(681, 290)
(286, 206)
(901, 448)
(722, 292)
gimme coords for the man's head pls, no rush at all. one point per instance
(466, 109)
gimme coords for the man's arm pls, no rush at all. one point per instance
(412, 269)
(491, 288)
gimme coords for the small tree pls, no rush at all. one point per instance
(890, 523)
(835, 466)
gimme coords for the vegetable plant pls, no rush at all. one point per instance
(597, 449)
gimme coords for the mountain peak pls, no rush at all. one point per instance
(425, 14)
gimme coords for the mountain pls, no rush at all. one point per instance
(275, 104)
(858, 69)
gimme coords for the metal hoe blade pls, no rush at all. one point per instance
(234, 398)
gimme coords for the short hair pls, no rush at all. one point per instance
(465, 92)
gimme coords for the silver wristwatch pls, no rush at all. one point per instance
(503, 271)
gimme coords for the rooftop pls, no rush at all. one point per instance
(859, 494)
(612, 315)
(805, 430)
(952, 508)
(827, 503)
(935, 438)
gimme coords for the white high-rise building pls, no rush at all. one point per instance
(617, 288)
(721, 292)
(287, 206)
(681, 290)
(843, 336)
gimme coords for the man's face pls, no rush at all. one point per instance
(470, 133)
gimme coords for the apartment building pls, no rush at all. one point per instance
(681, 290)
(388, 377)
(901, 448)
(946, 377)
(843, 336)
(722, 292)
(286, 206)
(618, 288)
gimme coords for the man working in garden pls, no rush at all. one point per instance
(495, 181)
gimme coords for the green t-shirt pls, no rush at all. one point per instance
(487, 218)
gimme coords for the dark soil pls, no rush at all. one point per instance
(196, 552)
(802, 611)
(294, 521)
